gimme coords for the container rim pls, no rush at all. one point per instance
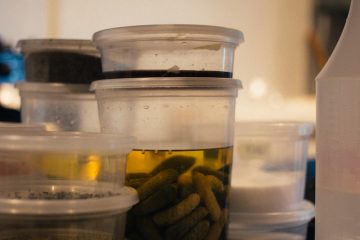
(47, 141)
(165, 83)
(120, 203)
(74, 45)
(274, 128)
(167, 32)
(11, 126)
(52, 87)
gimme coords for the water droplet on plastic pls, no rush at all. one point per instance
(146, 107)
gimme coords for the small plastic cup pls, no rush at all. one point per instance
(72, 186)
(181, 165)
(61, 107)
(269, 167)
(60, 60)
(167, 51)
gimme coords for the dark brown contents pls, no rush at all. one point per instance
(165, 73)
(62, 67)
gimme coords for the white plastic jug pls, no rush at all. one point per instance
(338, 137)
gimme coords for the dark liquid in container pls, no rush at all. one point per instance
(165, 73)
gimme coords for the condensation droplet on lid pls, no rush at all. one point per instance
(146, 107)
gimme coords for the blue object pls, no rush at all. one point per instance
(15, 63)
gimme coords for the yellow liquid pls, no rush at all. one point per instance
(146, 160)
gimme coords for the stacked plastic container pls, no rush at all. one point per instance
(63, 183)
(268, 182)
(171, 88)
(56, 90)
(39, 200)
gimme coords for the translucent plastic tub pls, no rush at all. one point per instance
(298, 232)
(167, 51)
(269, 166)
(61, 107)
(73, 186)
(60, 60)
(184, 128)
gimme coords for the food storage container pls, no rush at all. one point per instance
(61, 107)
(297, 232)
(167, 51)
(60, 60)
(63, 185)
(269, 166)
(181, 166)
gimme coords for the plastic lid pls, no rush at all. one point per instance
(278, 129)
(272, 220)
(165, 83)
(65, 142)
(10, 126)
(53, 87)
(73, 45)
(175, 32)
(125, 198)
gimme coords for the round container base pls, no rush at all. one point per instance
(258, 222)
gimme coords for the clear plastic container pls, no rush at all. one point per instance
(63, 185)
(167, 51)
(269, 166)
(269, 221)
(61, 107)
(184, 128)
(298, 232)
(60, 60)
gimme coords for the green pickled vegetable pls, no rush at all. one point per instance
(136, 182)
(137, 175)
(148, 229)
(177, 212)
(179, 229)
(207, 195)
(179, 163)
(156, 182)
(157, 201)
(217, 227)
(199, 232)
(208, 171)
(215, 183)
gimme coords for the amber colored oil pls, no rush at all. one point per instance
(147, 160)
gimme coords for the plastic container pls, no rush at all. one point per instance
(269, 221)
(167, 51)
(61, 107)
(269, 166)
(73, 186)
(184, 128)
(298, 232)
(60, 60)
(337, 137)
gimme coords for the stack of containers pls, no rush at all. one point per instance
(172, 89)
(56, 91)
(62, 184)
(268, 182)
(88, 204)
